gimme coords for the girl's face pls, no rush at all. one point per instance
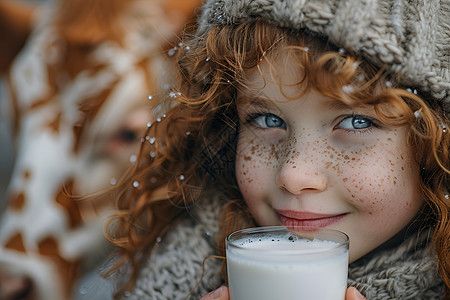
(314, 161)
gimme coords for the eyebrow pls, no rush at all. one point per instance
(258, 100)
(337, 105)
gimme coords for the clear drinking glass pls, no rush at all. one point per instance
(279, 263)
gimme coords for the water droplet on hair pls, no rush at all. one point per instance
(348, 89)
(133, 158)
(171, 52)
(136, 184)
(113, 181)
(417, 114)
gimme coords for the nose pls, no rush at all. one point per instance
(301, 175)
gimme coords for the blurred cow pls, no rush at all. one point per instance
(78, 92)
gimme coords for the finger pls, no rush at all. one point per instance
(353, 294)
(221, 293)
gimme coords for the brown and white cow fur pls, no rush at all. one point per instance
(79, 89)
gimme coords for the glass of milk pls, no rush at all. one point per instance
(279, 263)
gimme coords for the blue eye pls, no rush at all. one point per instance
(356, 122)
(268, 121)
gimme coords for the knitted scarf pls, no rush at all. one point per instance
(407, 271)
(404, 272)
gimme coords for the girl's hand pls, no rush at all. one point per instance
(353, 294)
(219, 294)
(223, 294)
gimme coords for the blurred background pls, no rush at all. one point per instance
(6, 150)
(91, 69)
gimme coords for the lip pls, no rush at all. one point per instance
(301, 218)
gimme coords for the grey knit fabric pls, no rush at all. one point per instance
(176, 267)
(405, 272)
(410, 37)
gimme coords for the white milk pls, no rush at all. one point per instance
(268, 268)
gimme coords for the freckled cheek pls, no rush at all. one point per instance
(248, 172)
(254, 170)
(381, 184)
(245, 174)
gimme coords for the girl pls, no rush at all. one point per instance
(325, 113)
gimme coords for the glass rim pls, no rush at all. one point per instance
(280, 228)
